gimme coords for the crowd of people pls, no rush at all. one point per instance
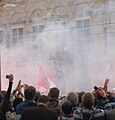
(30, 104)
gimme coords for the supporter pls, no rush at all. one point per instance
(37, 95)
(29, 94)
(6, 106)
(17, 101)
(73, 98)
(102, 101)
(95, 105)
(110, 96)
(67, 111)
(53, 99)
(62, 99)
(1, 99)
(80, 94)
(41, 112)
(1, 102)
(88, 111)
(18, 95)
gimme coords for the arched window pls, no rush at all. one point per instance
(82, 14)
(82, 11)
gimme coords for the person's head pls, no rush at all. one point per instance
(29, 93)
(43, 99)
(88, 100)
(80, 96)
(1, 99)
(37, 95)
(73, 98)
(54, 93)
(67, 107)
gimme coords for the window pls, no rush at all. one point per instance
(83, 31)
(1, 37)
(17, 35)
(37, 29)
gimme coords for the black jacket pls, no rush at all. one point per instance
(39, 113)
(6, 104)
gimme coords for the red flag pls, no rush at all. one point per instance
(42, 78)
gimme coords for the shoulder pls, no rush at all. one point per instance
(51, 110)
(19, 107)
(53, 103)
(30, 109)
(66, 118)
(77, 113)
(99, 113)
(24, 105)
(20, 104)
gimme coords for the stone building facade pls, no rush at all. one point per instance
(74, 38)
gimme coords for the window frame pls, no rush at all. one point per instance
(83, 19)
(18, 37)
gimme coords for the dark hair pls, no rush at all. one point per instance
(80, 96)
(29, 93)
(67, 107)
(37, 95)
(54, 93)
(43, 99)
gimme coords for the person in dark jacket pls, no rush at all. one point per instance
(29, 94)
(53, 99)
(6, 105)
(67, 111)
(40, 112)
(1, 102)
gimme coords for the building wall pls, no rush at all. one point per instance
(73, 37)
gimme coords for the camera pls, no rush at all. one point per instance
(7, 76)
(96, 88)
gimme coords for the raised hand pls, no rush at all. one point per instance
(11, 78)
